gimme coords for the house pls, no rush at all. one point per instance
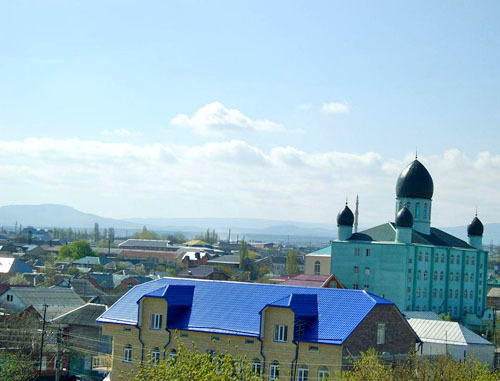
(34, 251)
(306, 280)
(145, 244)
(493, 298)
(232, 260)
(115, 283)
(439, 337)
(204, 272)
(192, 258)
(90, 262)
(82, 337)
(198, 243)
(281, 329)
(56, 300)
(278, 264)
(157, 257)
(12, 266)
(318, 262)
(83, 287)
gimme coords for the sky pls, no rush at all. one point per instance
(261, 109)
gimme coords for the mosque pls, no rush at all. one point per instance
(408, 261)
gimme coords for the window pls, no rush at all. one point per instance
(356, 269)
(409, 271)
(367, 252)
(450, 293)
(323, 373)
(418, 291)
(256, 366)
(470, 309)
(425, 211)
(471, 294)
(473, 260)
(472, 277)
(425, 275)
(456, 276)
(274, 371)
(172, 354)
(467, 260)
(417, 308)
(366, 287)
(355, 286)
(417, 210)
(436, 258)
(434, 293)
(452, 259)
(441, 275)
(451, 275)
(44, 363)
(458, 259)
(302, 373)
(408, 297)
(425, 292)
(409, 278)
(456, 293)
(466, 278)
(317, 268)
(435, 275)
(280, 333)
(427, 257)
(156, 321)
(440, 292)
(356, 251)
(410, 260)
(127, 354)
(420, 257)
(380, 333)
(367, 271)
(419, 274)
(313, 348)
(10, 298)
(465, 294)
(442, 258)
(249, 341)
(155, 356)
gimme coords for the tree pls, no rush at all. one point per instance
(190, 364)
(97, 234)
(292, 263)
(245, 262)
(111, 233)
(76, 250)
(18, 280)
(146, 234)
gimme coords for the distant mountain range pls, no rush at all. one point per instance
(54, 215)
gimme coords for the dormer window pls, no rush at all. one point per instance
(280, 333)
(156, 320)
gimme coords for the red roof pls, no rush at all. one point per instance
(309, 280)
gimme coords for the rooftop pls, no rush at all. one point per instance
(85, 315)
(145, 243)
(235, 307)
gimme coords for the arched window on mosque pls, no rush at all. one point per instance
(417, 210)
(452, 259)
(466, 278)
(434, 293)
(456, 276)
(441, 275)
(317, 268)
(419, 274)
(425, 275)
(425, 292)
(435, 275)
(472, 277)
(425, 211)
(458, 259)
(440, 292)
(442, 258)
(427, 257)
(467, 260)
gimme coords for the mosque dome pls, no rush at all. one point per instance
(404, 219)
(475, 227)
(345, 217)
(415, 182)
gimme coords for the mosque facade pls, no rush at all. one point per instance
(417, 266)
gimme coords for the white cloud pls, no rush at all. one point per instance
(237, 179)
(215, 119)
(335, 108)
(119, 132)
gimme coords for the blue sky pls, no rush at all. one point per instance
(305, 78)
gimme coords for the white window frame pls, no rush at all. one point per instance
(127, 354)
(317, 268)
(274, 371)
(172, 354)
(155, 356)
(280, 333)
(323, 374)
(381, 333)
(156, 321)
(256, 367)
(367, 271)
(10, 297)
(302, 373)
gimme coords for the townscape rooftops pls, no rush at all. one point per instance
(494, 292)
(234, 307)
(387, 233)
(13, 265)
(91, 261)
(113, 280)
(324, 251)
(85, 315)
(445, 332)
(145, 243)
(231, 259)
(198, 272)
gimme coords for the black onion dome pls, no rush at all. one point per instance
(345, 217)
(404, 219)
(415, 182)
(475, 227)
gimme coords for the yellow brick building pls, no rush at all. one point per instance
(287, 332)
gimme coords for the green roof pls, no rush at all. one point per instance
(324, 251)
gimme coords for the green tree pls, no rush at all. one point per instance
(146, 234)
(18, 280)
(76, 250)
(292, 263)
(97, 234)
(245, 262)
(190, 364)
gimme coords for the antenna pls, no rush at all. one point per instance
(416, 153)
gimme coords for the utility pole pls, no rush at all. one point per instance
(57, 365)
(41, 343)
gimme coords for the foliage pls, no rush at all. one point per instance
(73, 270)
(105, 243)
(189, 364)
(146, 234)
(175, 238)
(69, 234)
(292, 263)
(76, 250)
(210, 237)
(245, 261)
(49, 277)
(97, 235)
(252, 254)
(263, 270)
(446, 317)
(18, 280)
(370, 368)
(16, 366)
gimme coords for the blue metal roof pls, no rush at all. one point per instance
(324, 251)
(327, 315)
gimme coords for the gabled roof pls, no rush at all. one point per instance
(445, 332)
(144, 243)
(231, 259)
(387, 233)
(13, 265)
(105, 280)
(85, 315)
(199, 272)
(85, 289)
(91, 261)
(233, 307)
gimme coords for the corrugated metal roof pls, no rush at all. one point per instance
(233, 307)
(324, 251)
(429, 315)
(494, 292)
(85, 315)
(144, 243)
(445, 332)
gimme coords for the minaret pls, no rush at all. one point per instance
(356, 215)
